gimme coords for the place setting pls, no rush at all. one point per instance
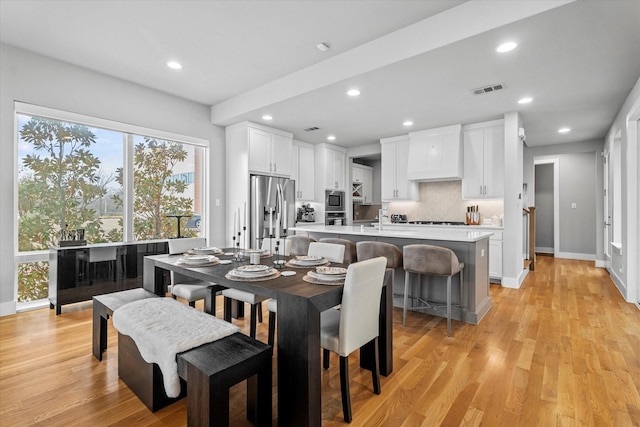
(326, 276)
(307, 261)
(198, 260)
(205, 251)
(252, 273)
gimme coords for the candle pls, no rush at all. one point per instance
(284, 221)
(277, 227)
(234, 224)
(239, 219)
(270, 222)
(246, 220)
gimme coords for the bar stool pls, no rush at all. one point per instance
(350, 253)
(300, 244)
(367, 250)
(433, 261)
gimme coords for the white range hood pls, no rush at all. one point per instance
(436, 154)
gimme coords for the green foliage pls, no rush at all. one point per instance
(63, 181)
(34, 281)
(156, 196)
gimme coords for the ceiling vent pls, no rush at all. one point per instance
(487, 89)
(311, 129)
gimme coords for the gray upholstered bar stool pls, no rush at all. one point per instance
(300, 244)
(350, 253)
(434, 261)
(368, 250)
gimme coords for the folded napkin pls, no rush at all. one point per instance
(163, 327)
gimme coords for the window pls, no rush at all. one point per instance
(114, 181)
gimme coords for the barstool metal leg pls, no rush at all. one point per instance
(407, 279)
(449, 306)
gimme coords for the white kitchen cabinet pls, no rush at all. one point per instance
(483, 160)
(394, 158)
(303, 170)
(250, 148)
(269, 151)
(330, 161)
(495, 255)
(362, 186)
(435, 154)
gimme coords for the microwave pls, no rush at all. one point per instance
(334, 201)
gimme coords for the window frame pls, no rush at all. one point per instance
(128, 170)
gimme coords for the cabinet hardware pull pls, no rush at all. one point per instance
(485, 190)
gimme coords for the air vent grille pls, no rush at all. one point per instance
(311, 129)
(488, 89)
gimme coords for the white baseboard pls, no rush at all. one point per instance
(544, 250)
(571, 255)
(600, 263)
(514, 282)
(7, 308)
(619, 284)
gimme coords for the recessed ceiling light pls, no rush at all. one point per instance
(525, 100)
(407, 123)
(331, 138)
(174, 65)
(506, 47)
(353, 92)
(564, 130)
(267, 117)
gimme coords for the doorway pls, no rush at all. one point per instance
(546, 195)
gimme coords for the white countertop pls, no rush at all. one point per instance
(461, 234)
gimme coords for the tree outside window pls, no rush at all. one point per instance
(71, 175)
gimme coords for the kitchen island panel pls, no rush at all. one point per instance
(471, 248)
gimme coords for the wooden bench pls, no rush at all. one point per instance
(209, 371)
(104, 306)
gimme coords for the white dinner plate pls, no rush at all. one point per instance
(253, 268)
(331, 270)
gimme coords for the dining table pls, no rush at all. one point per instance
(298, 325)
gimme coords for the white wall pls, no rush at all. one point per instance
(512, 261)
(625, 123)
(36, 79)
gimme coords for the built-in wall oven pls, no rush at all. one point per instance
(334, 211)
(334, 201)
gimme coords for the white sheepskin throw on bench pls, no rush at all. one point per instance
(164, 327)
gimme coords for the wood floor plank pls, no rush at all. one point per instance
(563, 350)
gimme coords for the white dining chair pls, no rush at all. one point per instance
(333, 252)
(355, 324)
(186, 287)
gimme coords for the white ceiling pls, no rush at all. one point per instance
(415, 60)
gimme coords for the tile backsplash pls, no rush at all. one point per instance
(442, 201)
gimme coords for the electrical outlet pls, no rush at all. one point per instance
(482, 252)
(573, 205)
(217, 202)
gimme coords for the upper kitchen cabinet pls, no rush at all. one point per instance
(395, 183)
(435, 154)
(302, 167)
(268, 149)
(362, 183)
(330, 163)
(483, 160)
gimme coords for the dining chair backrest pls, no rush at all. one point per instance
(350, 254)
(300, 244)
(330, 251)
(179, 246)
(269, 244)
(360, 307)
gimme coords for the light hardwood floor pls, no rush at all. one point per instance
(562, 350)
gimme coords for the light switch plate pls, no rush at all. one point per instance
(573, 205)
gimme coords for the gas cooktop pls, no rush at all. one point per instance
(438, 222)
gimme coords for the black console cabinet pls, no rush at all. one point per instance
(78, 273)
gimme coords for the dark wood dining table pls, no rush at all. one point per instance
(298, 329)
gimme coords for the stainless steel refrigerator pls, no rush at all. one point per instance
(272, 207)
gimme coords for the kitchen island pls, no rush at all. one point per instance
(470, 246)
